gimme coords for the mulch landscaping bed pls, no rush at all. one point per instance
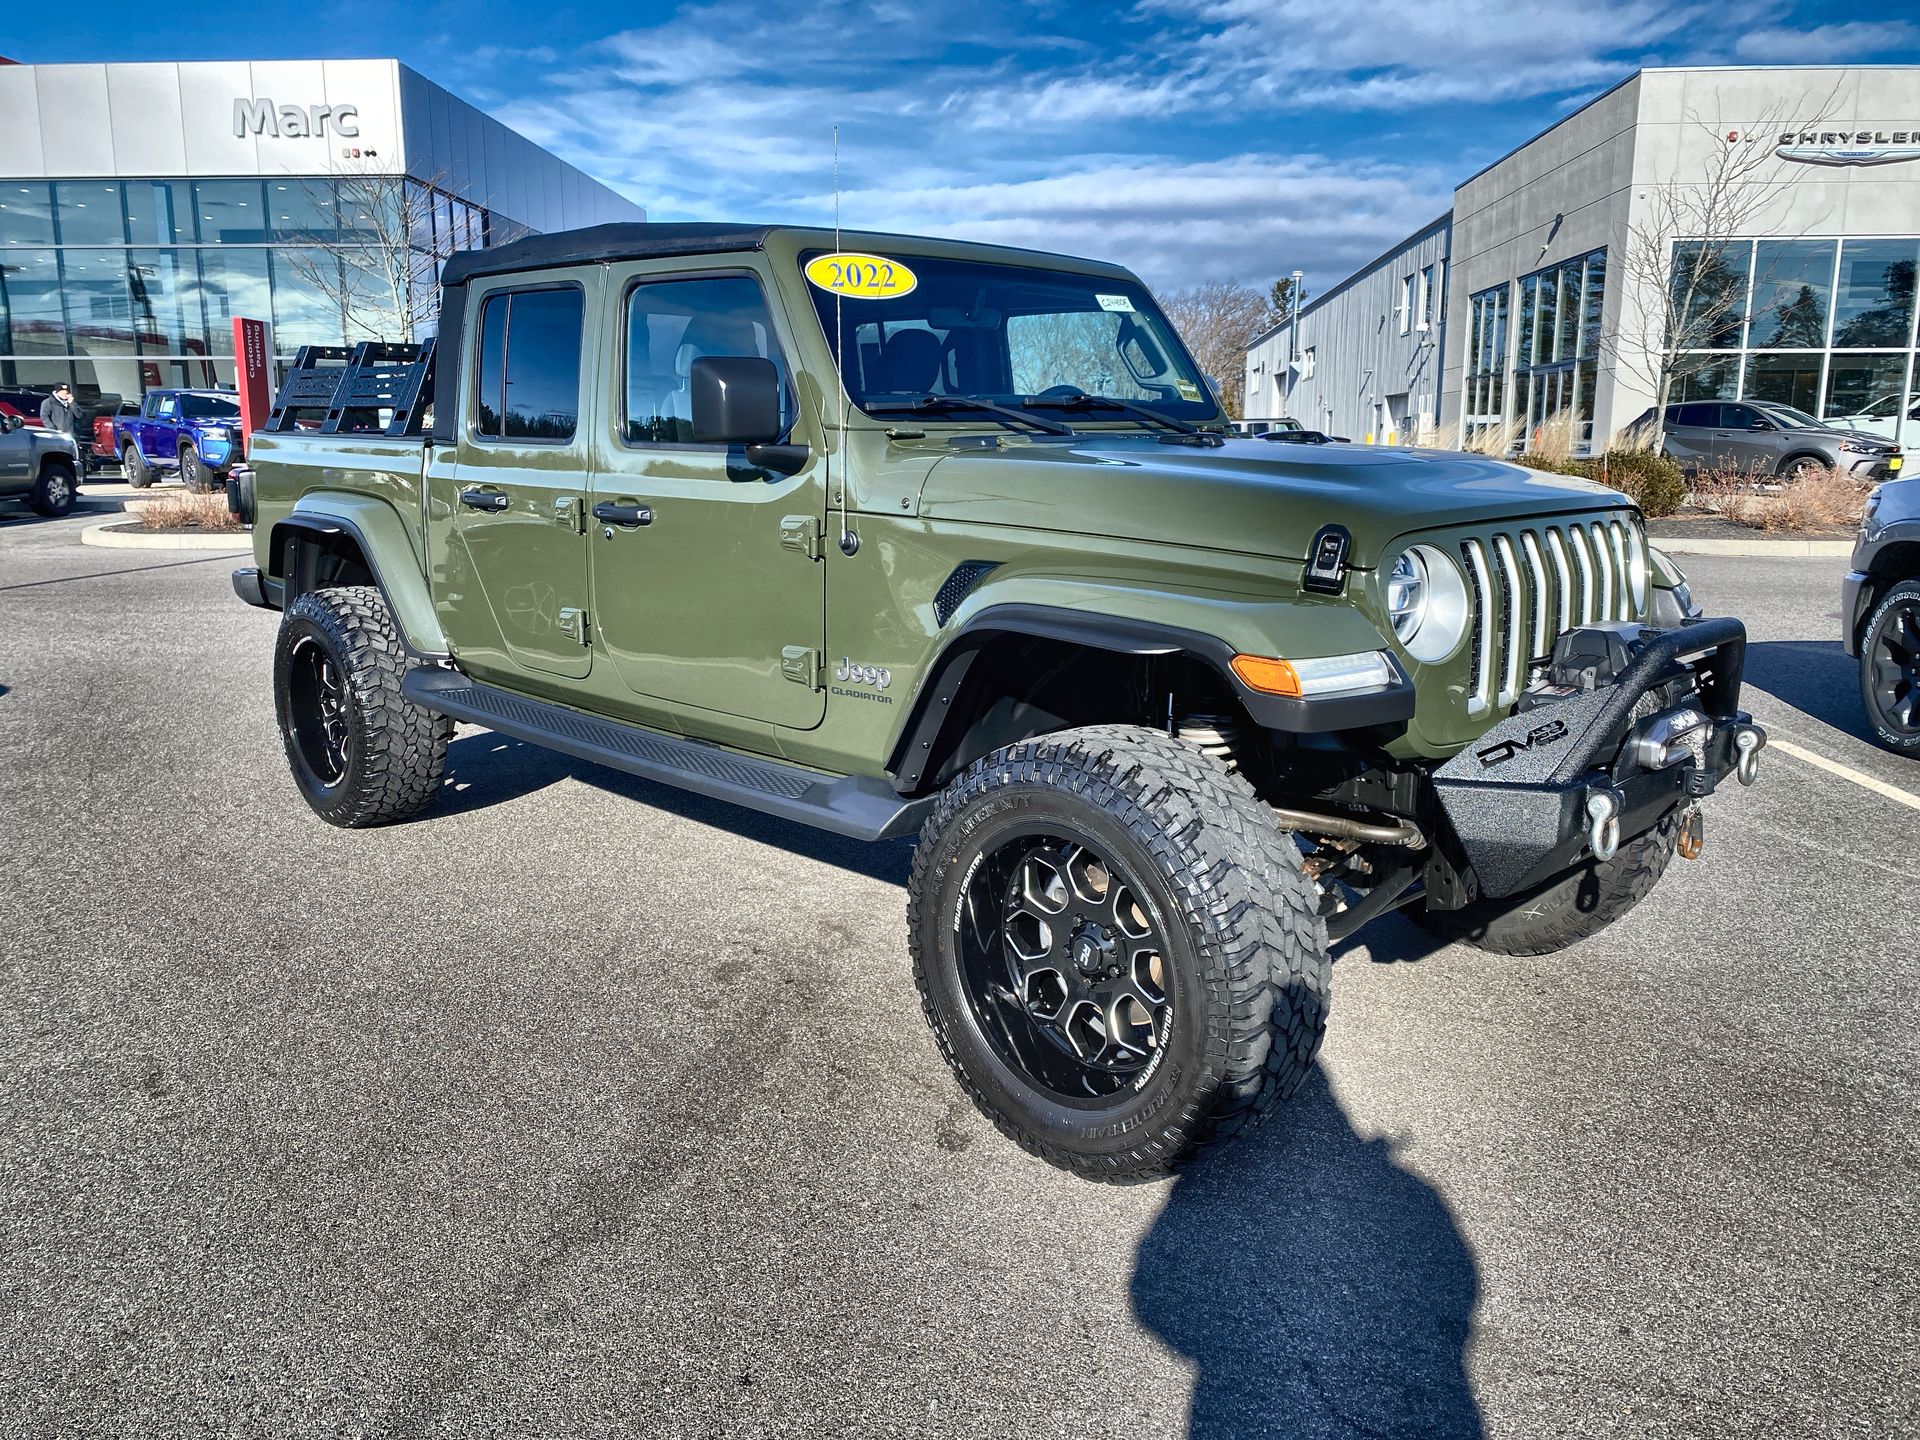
(134, 527)
(1693, 524)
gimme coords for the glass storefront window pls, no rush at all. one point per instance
(1785, 377)
(1709, 290)
(1856, 383)
(1596, 299)
(1706, 377)
(99, 304)
(301, 210)
(35, 323)
(1874, 303)
(87, 212)
(1792, 292)
(230, 212)
(233, 283)
(26, 213)
(301, 314)
(166, 309)
(159, 212)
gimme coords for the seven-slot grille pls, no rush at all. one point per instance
(1532, 584)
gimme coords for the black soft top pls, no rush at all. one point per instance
(618, 241)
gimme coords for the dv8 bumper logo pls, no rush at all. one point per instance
(1538, 738)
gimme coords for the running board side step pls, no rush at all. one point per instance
(855, 805)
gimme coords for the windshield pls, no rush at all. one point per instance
(207, 407)
(1012, 335)
(1798, 419)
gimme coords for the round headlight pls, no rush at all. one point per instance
(1427, 603)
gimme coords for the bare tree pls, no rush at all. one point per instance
(377, 268)
(1685, 282)
(1218, 320)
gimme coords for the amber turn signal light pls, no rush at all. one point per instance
(1268, 676)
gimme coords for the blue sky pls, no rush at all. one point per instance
(1192, 139)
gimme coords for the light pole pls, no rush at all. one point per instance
(1293, 335)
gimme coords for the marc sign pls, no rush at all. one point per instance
(1849, 147)
(263, 117)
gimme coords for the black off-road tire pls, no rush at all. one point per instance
(54, 489)
(1890, 655)
(1565, 910)
(1246, 947)
(393, 751)
(139, 473)
(193, 471)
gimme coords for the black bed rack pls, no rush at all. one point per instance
(372, 388)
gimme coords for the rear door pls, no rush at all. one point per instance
(513, 595)
(717, 601)
(1689, 433)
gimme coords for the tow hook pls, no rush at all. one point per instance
(1693, 834)
(1603, 823)
(1746, 745)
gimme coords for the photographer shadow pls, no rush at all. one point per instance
(1317, 1287)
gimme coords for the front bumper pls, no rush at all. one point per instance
(1547, 788)
(1875, 468)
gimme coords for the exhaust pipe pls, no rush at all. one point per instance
(1396, 831)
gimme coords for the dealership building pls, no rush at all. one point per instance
(144, 206)
(1572, 274)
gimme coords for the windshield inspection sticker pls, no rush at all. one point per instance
(1188, 390)
(861, 277)
(1119, 303)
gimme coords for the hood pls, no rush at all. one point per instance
(1835, 432)
(1247, 495)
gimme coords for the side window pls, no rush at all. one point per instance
(168, 408)
(528, 387)
(671, 324)
(1737, 417)
(1696, 416)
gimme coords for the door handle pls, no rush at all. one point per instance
(484, 500)
(609, 513)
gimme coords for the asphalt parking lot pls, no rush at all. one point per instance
(583, 1107)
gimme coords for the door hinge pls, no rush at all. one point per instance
(573, 625)
(802, 533)
(571, 511)
(804, 667)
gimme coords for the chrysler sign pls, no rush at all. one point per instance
(1849, 147)
(263, 117)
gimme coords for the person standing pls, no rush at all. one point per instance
(58, 414)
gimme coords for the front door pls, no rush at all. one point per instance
(1739, 445)
(709, 588)
(516, 504)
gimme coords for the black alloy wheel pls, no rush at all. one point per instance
(139, 474)
(1064, 966)
(318, 731)
(1890, 669)
(193, 470)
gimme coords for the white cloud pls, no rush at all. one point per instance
(1034, 124)
(1847, 41)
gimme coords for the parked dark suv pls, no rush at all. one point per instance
(1767, 439)
(1880, 608)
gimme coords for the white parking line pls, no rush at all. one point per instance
(1834, 767)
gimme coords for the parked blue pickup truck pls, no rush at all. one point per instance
(196, 433)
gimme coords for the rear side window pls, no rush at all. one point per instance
(672, 323)
(528, 387)
(1702, 417)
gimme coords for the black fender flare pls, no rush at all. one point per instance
(410, 605)
(1117, 635)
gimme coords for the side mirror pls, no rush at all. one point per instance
(736, 400)
(13, 422)
(1760, 425)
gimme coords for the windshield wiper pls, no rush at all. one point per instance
(928, 404)
(1181, 432)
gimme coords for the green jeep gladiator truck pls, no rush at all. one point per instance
(890, 536)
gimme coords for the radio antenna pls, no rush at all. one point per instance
(849, 542)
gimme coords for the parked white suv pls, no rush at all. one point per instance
(1878, 418)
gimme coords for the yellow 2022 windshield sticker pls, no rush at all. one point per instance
(861, 277)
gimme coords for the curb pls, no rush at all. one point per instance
(103, 535)
(1755, 549)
